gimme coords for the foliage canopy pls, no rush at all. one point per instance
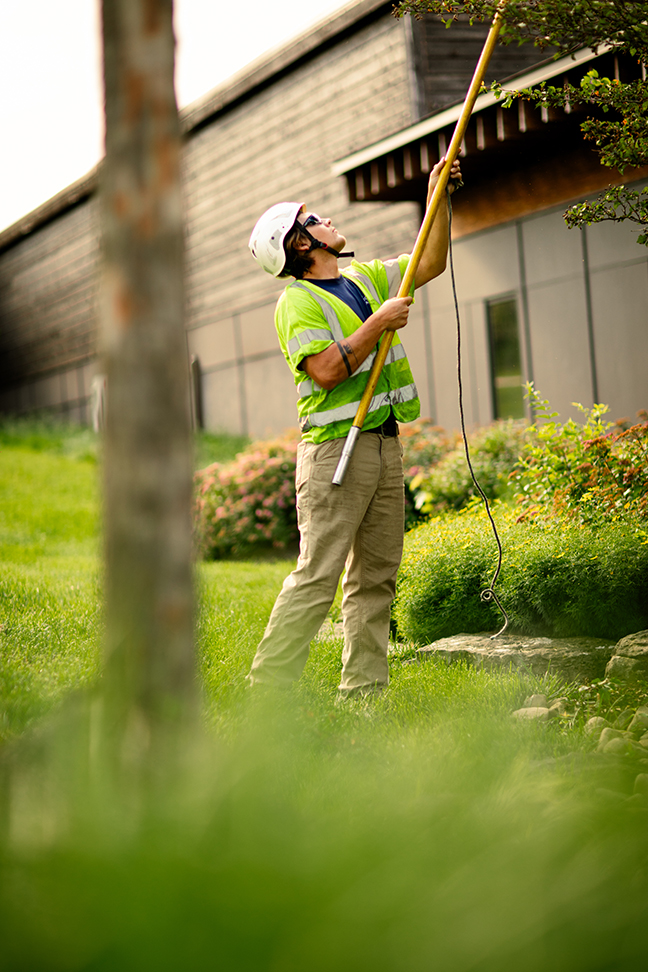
(620, 137)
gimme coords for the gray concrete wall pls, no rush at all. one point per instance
(582, 300)
(619, 287)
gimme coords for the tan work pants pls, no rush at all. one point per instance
(358, 525)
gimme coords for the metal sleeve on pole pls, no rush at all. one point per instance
(349, 446)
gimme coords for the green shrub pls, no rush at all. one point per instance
(593, 471)
(494, 452)
(249, 503)
(559, 578)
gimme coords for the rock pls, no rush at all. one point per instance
(606, 736)
(536, 700)
(594, 725)
(539, 712)
(636, 800)
(619, 743)
(558, 708)
(641, 784)
(624, 668)
(639, 720)
(630, 658)
(576, 659)
(624, 719)
(619, 746)
(644, 740)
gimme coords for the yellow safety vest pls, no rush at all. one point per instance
(309, 319)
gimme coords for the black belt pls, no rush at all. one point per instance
(390, 427)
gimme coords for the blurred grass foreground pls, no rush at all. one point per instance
(421, 830)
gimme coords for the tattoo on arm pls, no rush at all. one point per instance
(349, 350)
(343, 351)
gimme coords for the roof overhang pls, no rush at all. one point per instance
(396, 167)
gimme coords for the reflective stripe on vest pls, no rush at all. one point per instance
(396, 352)
(393, 271)
(348, 411)
(307, 387)
(306, 336)
(327, 310)
(356, 275)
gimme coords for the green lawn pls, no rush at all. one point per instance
(424, 830)
(49, 594)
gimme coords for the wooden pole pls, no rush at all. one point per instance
(419, 246)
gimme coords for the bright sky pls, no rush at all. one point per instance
(50, 78)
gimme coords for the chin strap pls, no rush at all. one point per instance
(318, 245)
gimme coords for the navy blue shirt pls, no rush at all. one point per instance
(349, 292)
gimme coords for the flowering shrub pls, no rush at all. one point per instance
(249, 503)
(494, 451)
(592, 471)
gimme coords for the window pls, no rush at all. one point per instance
(506, 369)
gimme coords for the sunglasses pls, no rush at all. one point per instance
(312, 220)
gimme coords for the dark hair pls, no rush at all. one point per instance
(298, 262)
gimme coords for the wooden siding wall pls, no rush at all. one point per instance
(444, 60)
(47, 316)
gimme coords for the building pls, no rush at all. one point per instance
(350, 117)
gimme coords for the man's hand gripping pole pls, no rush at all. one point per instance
(419, 246)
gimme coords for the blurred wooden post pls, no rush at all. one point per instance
(150, 672)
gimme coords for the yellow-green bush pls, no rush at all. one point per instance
(559, 578)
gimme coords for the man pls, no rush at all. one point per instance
(329, 323)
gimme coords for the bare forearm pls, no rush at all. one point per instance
(433, 259)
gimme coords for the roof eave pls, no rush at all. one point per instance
(448, 116)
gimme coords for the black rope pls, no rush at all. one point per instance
(488, 594)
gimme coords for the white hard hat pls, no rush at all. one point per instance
(267, 239)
